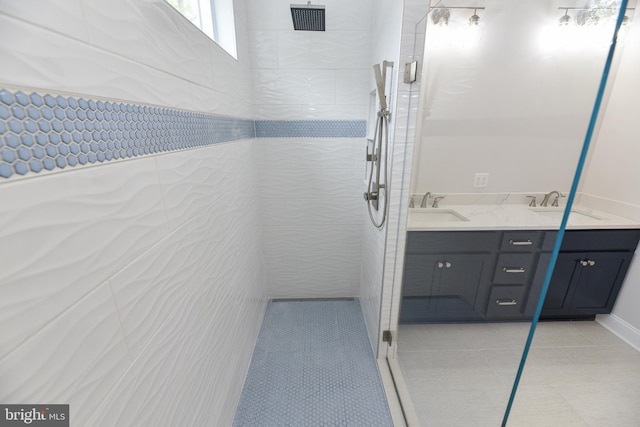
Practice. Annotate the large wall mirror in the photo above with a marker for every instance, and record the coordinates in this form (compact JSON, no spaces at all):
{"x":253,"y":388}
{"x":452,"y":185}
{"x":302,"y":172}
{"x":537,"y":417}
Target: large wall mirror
{"x":507,"y":91}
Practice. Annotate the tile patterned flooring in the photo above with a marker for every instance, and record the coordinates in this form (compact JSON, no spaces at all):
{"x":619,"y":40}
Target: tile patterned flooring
{"x":577,"y":374}
{"x":313,"y":366}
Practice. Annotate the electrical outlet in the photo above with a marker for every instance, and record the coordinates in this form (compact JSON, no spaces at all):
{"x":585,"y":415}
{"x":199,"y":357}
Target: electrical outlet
{"x":480,"y":180}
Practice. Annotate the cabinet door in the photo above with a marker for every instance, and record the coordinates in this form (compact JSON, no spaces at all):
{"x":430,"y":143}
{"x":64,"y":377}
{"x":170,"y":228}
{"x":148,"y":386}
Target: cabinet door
{"x":460,"y":281}
{"x":419,"y":285}
{"x":557,"y":298}
{"x":599,"y":281}
{"x":440,"y":288}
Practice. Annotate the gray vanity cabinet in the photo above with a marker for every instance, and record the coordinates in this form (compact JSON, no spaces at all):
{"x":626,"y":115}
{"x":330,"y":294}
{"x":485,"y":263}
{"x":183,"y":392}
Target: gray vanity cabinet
{"x":454,"y":276}
{"x":445,"y":276}
{"x":588,"y":274}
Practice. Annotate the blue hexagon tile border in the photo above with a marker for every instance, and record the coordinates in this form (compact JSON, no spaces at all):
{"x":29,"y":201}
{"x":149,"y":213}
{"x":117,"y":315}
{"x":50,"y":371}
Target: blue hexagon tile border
{"x":45,"y":132}
{"x":311,"y":128}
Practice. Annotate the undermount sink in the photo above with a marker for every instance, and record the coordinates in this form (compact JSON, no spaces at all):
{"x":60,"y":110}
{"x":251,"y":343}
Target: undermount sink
{"x":437,"y":215}
{"x":575,"y":214}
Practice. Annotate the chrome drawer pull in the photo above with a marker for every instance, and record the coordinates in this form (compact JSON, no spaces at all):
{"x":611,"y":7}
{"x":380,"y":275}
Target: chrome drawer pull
{"x":520,"y":242}
{"x":513,"y":270}
{"x":506,"y":302}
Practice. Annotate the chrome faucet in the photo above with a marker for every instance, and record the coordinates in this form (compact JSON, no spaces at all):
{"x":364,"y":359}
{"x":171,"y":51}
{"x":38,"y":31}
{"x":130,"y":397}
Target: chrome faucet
{"x":547,"y":197}
{"x":436,"y":199}
{"x":425,"y":198}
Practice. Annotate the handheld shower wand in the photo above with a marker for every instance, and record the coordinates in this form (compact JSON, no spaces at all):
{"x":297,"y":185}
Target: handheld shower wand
{"x":380,"y":150}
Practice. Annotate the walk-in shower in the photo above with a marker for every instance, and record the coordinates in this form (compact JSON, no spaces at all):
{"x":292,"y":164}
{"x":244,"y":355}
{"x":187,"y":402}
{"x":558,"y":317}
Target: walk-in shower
{"x":380,"y":150}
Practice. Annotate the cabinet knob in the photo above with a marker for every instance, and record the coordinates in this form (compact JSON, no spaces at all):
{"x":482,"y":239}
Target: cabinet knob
{"x":440,"y":264}
{"x":584,"y":263}
{"x":447,"y":264}
{"x":591,"y":263}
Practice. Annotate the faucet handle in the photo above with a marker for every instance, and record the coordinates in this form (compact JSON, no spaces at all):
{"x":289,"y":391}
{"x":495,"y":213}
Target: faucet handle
{"x":436,"y":199}
{"x":555,"y":201}
{"x":532,"y":203}
{"x":412,"y":203}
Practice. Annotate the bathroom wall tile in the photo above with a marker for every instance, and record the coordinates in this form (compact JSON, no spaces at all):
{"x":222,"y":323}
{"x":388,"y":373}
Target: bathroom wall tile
{"x":156,"y":287}
{"x":199,"y":326}
{"x":294,"y":86}
{"x":290,"y":184}
{"x":353,"y":87}
{"x":66,"y":17}
{"x":348,"y":16}
{"x":182,"y":49}
{"x":215,"y":102}
{"x":281,"y":239}
{"x":64,"y":234}
{"x":75,"y":359}
{"x":323,"y":50}
{"x":273,"y":211}
{"x":337,"y":111}
{"x":192,"y":180}
{"x":325,"y":211}
{"x":273,"y":15}
{"x":278,"y":112}
{"x":309,"y":153}
{"x":77,"y":67}
{"x":264,"y":49}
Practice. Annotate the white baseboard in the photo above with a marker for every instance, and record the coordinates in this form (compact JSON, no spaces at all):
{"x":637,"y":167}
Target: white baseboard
{"x":623,"y":330}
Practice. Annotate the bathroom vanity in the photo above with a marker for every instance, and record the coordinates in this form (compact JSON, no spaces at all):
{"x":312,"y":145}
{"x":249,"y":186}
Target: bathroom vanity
{"x":458,"y":271}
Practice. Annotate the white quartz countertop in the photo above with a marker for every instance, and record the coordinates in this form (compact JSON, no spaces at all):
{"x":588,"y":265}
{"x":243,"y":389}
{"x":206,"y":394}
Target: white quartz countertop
{"x":511,"y":217}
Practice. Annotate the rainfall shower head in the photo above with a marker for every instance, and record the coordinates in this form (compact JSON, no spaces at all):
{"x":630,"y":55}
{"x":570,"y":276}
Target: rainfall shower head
{"x":307,"y":17}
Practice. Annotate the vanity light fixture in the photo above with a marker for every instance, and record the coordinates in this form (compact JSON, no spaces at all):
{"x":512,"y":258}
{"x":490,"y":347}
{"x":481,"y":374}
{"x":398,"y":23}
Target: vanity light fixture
{"x":440,"y":14}
{"x":475,"y":19}
{"x":588,"y":16}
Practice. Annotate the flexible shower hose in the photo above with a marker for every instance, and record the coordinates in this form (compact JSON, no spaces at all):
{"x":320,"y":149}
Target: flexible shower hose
{"x":382,"y":127}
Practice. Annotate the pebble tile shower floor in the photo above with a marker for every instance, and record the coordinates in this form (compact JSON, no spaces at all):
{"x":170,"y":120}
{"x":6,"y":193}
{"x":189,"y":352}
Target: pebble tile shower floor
{"x":312,"y":366}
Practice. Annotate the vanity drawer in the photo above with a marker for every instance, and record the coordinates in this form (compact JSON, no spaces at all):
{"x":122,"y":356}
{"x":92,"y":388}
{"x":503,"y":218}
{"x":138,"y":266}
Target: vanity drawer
{"x":520,"y":241}
{"x":506,"y":302}
{"x":513,"y":268}
{"x":451,"y":241}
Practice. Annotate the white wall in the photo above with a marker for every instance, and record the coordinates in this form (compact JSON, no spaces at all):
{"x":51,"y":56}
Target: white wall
{"x":131,"y":290}
{"x":311,"y":188}
{"x":611,"y":180}
{"x":513,"y":106}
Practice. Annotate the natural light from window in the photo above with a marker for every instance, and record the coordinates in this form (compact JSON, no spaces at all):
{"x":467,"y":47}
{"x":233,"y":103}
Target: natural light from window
{"x":214,"y":17}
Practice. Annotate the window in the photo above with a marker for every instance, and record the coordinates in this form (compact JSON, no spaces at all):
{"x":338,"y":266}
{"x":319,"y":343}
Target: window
{"x":215,"y":19}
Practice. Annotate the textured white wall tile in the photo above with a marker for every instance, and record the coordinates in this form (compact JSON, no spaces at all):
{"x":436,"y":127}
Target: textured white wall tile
{"x":62,"y":16}
{"x":64,"y":234}
{"x":67,"y":65}
{"x":156,"y":287}
{"x":192,"y":180}
{"x":348,"y":16}
{"x":352,"y":86}
{"x":75,"y":359}
{"x":323,"y":50}
{"x":295,"y":86}
{"x":264,"y":49}
{"x":130,"y":28}
{"x":271,"y":15}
